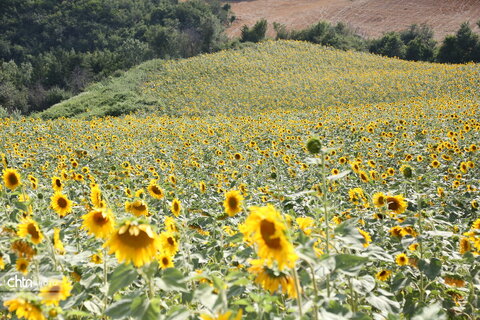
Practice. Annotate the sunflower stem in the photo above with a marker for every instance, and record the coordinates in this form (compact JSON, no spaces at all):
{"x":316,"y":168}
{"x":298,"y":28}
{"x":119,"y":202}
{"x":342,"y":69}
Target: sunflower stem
{"x":297,"y":288}
{"x":420,"y":241}
{"x":325,"y":213}
{"x":315,"y":289}
{"x":105,"y":280}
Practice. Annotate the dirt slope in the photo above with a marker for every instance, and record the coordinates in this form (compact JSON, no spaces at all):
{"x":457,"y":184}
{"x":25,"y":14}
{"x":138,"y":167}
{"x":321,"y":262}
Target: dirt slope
{"x":369,"y":18}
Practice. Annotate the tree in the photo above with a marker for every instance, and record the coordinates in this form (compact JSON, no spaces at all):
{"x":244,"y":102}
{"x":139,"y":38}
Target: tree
{"x":390,"y":45}
{"x":256,"y":33}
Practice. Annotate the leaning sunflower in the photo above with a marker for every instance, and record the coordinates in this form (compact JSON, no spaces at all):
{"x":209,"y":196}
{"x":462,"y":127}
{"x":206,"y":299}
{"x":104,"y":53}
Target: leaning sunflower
{"x":379,"y":199}
{"x":233,"y":202}
{"x":136,"y":243}
{"x":61,"y":204}
{"x":24,"y":309}
{"x":28,"y":227}
{"x":271,"y":281}
{"x":266,"y":228}
{"x":176,"y":207}
{"x":56,"y":291}
{"x":11,"y":178}
{"x":100,"y":222}
{"x":137,"y":208}
{"x":155,"y":191}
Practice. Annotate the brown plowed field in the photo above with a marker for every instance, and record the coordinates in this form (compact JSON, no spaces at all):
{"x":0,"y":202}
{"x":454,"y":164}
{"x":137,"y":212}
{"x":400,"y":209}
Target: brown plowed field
{"x":369,"y":18}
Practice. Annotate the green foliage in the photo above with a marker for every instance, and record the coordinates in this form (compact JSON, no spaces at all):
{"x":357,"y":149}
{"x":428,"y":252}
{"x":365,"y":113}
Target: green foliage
{"x":256,"y":33}
{"x":69,"y":44}
{"x":390,"y":45}
{"x":460,"y":48}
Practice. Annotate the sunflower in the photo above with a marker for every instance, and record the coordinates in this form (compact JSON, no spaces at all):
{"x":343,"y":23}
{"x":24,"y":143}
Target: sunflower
{"x":134,"y":243}
{"x":96,"y":197}
{"x":464,"y":246}
{"x":23,"y":249}
{"x":2,"y":263}
{"x":223,"y":316}
{"x":435,"y":164}
{"x":305,"y":224}
{"x":233,"y":202}
{"x":366,"y":236}
{"x":363,"y":176}
{"x":99,"y":223}
{"x":61,"y":204}
{"x":22,"y":265}
{"x":96,"y":258}
{"x":383,"y":275}
{"x":57,"y":184}
{"x":396,"y":204}
{"x":165,"y":261}
{"x":24,"y":309}
{"x":379,"y":199}
{"x":168,"y":243}
{"x":271,"y":281}
{"x":401,"y":259}
{"x":57,"y":242}
{"x":202,"y":186}
{"x":176,"y":207}
{"x":396,"y":231}
{"x":155,"y":191}
{"x":11,"y":178}
{"x":266,"y":228}
{"x":170,"y":224}
{"x":29,"y":227}
{"x":56,"y":291}
{"x":137,"y":208}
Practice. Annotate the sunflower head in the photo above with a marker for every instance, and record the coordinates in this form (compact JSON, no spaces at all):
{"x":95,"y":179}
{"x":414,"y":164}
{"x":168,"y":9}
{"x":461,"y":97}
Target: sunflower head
{"x":168,"y":243}
{"x":155,"y":191}
{"x":28,"y":228}
{"x":56,"y":291}
{"x":22,"y":265}
{"x":11,"y":178}
{"x":57,"y":184}
{"x":176,"y":207}
{"x":396,"y":204}
{"x":136,"y":243}
{"x":401,"y":259}
{"x":137,"y":208}
{"x":165,"y":261}
{"x":233,"y":202}
{"x":24,"y":309}
{"x":99,"y":223}
{"x":61,"y":204}
{"x":383,"y":275}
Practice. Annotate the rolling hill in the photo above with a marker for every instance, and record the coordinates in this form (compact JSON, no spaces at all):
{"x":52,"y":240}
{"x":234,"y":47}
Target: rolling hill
{"x":269,"y":75}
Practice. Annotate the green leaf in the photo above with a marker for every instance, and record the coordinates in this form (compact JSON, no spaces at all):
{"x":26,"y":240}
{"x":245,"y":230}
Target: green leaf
{"x":20,"y":205}
{"x":432,"y":269}
{"x":153,"y":310}
{"x":119,"y":309}
{"x":363,"y":285}
{"x":178,"y":313}
{"x":139,"y":307}
{"x":92,"y":307}
{"x":431,"y":312}
{"x":123,"y":276}
{"x":172,"y":280}
{"x":383,"y":303}
{"x":349,"y":264}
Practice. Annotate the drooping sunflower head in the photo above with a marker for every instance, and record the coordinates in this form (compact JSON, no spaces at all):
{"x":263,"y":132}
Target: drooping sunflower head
{"x":28,"y":228}
{"x":57,"y":241}
{"x":396,"y":204}
{"x":56,"y":291}
{"x":366,"y":237}
{"x":233,"y":202}
{"x":96,"y":197}
{"x":170,"y":225}
{"x":61,"y":204}
{"x":100,"y":223}
{"x":202,"y":186}
{"x":136,"y":243}
{"x":137,"y":208}
{"x":266,"y":228}
{"x":176,"y":207}
{"x":155,"y":191}
{"x":271,"y":280}
{"x":11,"y":178}
{"x":23,"y":249}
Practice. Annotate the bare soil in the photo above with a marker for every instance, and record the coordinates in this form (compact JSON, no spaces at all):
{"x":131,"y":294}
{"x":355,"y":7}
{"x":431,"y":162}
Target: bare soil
{"x":369,"y":18}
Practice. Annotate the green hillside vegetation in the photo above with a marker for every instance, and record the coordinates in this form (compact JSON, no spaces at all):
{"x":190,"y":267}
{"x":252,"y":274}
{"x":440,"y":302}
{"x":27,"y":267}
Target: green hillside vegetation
{"x":273,"y":75}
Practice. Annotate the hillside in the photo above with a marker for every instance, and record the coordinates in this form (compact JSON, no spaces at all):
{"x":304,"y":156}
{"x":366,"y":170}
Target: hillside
{"x":369,"y":18}
{"x":283,"y":74}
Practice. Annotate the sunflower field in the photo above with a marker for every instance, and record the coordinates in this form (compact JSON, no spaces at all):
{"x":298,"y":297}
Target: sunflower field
{"x":282,"y":181}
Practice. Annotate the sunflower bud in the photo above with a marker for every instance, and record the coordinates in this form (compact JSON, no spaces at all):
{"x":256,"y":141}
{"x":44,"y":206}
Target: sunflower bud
{"x":314,"y":145}
{"x":407,"y":171}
